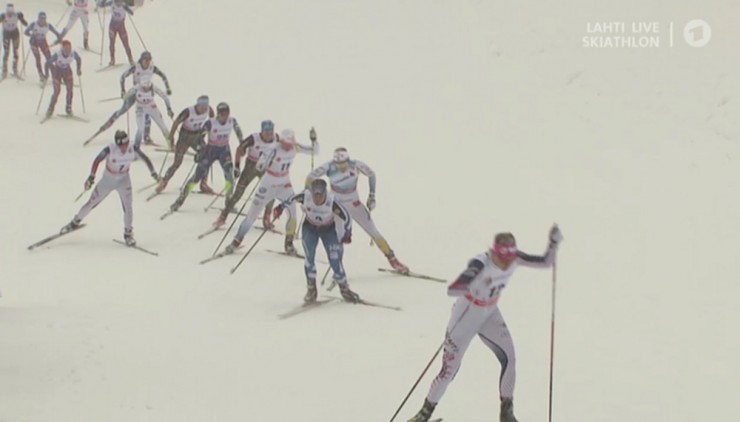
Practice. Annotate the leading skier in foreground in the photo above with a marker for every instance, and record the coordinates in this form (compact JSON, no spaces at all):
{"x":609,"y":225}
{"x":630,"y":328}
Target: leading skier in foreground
{"x":476,"y":313}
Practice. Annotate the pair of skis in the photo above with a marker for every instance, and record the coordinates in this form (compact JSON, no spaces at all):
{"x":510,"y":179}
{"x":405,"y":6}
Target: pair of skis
{"x":223,"y":254}
{"x":63,"y":233}
{"x":313,"y":305}
{"x":214,"y":228}
{"x":66,"y":116}
{"x":109,"y":67}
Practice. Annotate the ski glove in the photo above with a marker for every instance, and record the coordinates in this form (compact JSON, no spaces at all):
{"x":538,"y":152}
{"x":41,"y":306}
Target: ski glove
{"x":312,"y":135}
{"x":156,"y":177}
{"x":169,"y":91}
{"x":555,"y":235}
{"x":347,"y":238}
{"x":237,"y":172}
{"x":170,"y":113}
{"x":79,"y":72}
{"x":371,"y":202}
{"x":89,"y":182}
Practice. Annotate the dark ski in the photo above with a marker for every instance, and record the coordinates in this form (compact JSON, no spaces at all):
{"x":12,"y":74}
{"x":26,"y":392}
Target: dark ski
{"x":73,"y":117}
{"x":109,"y":67}
{"x":167,"y":214}
{"x":137,"y":247}
{"x":52,"y":237}
{"x":150,"y":197}
{"x":293,"y":255}
{"x":209,"y":231}
{"x":367,"y":303}
{"x":92,"y":137}
{"x":305,"y":307}
{"x":218,"y":256}
{"x":414,"y":275}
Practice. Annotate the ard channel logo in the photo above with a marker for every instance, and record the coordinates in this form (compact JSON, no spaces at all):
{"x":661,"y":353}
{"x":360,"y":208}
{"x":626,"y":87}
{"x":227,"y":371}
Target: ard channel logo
{"x":646,"y":34}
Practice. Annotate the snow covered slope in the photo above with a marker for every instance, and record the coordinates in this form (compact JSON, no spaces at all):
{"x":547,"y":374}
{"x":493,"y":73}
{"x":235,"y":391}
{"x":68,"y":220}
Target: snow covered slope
{"x":478,"y":117}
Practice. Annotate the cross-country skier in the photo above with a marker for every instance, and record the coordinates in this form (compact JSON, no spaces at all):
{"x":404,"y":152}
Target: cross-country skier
{"x":142,"y":95}
{"x":11,"y":34}
{"x":118,"y":157}
{"x":117,"y":27}
{"x":190,"y":121}
{"x":275,"y":184}
{"x":328,"y":221}
{"x":253,"y":146}
{"x":79,"y":11}
{"x":343,"y":174}
{"x":60,"y":66}
{"x":144,"y":70}
{"x":218,"y":130}
{"x":476,"y":312}
{"x":146,"y":107}
{"x":37,"y":33}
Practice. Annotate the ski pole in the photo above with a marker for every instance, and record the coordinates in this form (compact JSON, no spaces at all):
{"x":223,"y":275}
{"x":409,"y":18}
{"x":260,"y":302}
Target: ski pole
{"x":249,"y":251}
{"x":147,"y":187}
{"x":426,"y":368}
{"x":131,"y":18}
{"x":215,"y":197}
{"x":235,"y":218}
{"x":41,"y":97}
{"x":323,"y":279}
{"x":102,"y":35}
{"x":187,"y":176}
{"x":82,"y":96}
{"x":25,"y":59}
{"x":23,"y":53}
{"x":552,"y":339}
{"x":80,"y":195}
{"x":63,"y":15}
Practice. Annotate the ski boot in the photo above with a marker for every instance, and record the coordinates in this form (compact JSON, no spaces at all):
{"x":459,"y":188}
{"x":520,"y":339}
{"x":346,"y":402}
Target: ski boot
{"x":148,"y":140}
{"x":178,"y":202}
{"x":49,"y":112}
{"x":221,"y":220}
{"x":85,"y":43}
{"x":311,"y":292}
{"x":204,"y":188}
{"x":72,"y":225}
{"x":161,"y":186}
{"x":266,"y":222}
{"x":507,"y":410}
{"x":231,"y":247}
{"x":396,"y":264}
{"x":128,"y":236}
{"x":347,"y":294}
{"x":425,"y":413}
{"x":68,"y":110}
{"x":289,"y":248}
